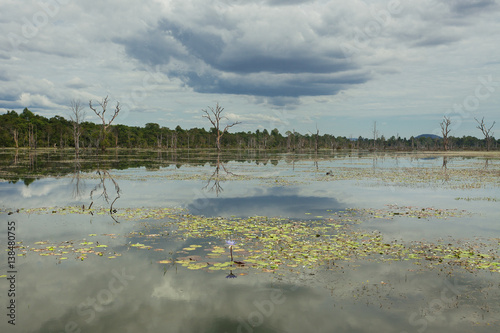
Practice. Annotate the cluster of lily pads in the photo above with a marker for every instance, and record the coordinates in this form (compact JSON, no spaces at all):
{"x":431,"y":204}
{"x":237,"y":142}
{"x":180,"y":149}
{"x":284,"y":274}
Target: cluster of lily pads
{"x":413,"y":212}
{"x":460,"y":178}
{"x":272,"y":244}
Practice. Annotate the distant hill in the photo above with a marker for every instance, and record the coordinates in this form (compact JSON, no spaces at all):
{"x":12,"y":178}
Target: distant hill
{"x":432,"y":136}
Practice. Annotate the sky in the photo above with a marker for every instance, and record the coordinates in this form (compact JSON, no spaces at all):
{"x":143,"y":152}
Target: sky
{"x":340,"y":67}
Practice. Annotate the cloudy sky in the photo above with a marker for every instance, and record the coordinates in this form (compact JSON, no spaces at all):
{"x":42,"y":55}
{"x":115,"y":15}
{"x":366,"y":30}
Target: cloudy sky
{"x":338,"y":66}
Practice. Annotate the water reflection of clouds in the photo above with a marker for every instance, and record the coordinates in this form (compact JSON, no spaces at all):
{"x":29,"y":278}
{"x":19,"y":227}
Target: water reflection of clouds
{"x":40,"y":193}
{"x":276,"y":201}
{"x":37,"y":190}
{"x":130,"y":294}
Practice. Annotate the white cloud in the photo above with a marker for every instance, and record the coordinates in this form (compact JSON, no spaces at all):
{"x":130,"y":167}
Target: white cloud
{"x":77,"y":83}
{"x":35,"y":100}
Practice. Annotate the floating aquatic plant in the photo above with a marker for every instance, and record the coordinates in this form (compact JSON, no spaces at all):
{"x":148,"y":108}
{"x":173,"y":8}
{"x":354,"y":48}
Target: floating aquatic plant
{"x":275,"y":243}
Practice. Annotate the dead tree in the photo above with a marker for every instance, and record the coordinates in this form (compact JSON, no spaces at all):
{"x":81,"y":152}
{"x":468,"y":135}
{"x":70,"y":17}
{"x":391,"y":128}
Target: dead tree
{"x":486,"y":132}
{"x":316,"y":141}
{"x":31,"y":136}
{"x":105,"y":124}
{"x":288,"y":140}
{"x":375,"y":134}
{"x":15,"y":134}
{"x":77,"y":116}
{"x":215,"y":117}
{"x":445,"y":131}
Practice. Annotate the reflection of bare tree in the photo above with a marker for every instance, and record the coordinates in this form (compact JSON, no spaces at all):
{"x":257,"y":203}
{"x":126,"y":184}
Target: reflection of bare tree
{"x":16,"y":157}
{"x":445,"y":168}
{"x":102,"y":189}
{"x":32,"y":160}
{"x":77,"y":191}
{"x":375,"y":158}
{"x":213,"y":183}
{"x":445,"y":162}
{"x":486,"y":163}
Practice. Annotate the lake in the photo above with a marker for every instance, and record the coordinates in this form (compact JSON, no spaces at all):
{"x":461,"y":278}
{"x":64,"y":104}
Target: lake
{"x":249,"y":241}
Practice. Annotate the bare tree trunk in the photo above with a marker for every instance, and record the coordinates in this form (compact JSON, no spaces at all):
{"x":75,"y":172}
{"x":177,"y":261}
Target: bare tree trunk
{"x":445,"y":131}
{"x":105,"y":124}
{"x":215,"y":119}
{"x":174,"y":140}
{"x":77,"y":116}
{"x":16,"y":137}
{"x":31,"y":137}
{"x":486,"y":132}
{"x":317,"y":136}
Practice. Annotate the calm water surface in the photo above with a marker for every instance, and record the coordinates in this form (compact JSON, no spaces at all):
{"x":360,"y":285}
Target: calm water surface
{"x":132,"y":292}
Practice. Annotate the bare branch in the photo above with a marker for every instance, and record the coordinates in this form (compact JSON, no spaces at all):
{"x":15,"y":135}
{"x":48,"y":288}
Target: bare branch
{"x":103,"y":105}
{"x":445,"y":131}
{"x":100,"y":114}
{"x":215,"y":117}
{"x":489,"y":129}
{"x":117,"y":110}
{"x":209,"y":118}
{"x":77,"y":116}
{"x":486,"y":131}
{"x":231,"y":125}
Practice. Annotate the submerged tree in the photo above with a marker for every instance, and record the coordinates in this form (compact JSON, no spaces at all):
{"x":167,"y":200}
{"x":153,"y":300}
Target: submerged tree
{"x":445,"y":131}
{"x":77,"y":116}
{"x":486,"y":132}
{"x":105,"y":124}
{"x":215,"y":117}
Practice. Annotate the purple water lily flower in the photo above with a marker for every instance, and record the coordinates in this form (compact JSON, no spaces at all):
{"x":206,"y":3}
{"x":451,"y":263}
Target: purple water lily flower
{"x":230,"y":243}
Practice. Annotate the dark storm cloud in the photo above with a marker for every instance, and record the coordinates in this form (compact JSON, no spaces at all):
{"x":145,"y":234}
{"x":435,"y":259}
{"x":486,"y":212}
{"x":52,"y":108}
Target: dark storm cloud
{"x":435,"y":40}
{"x":468,"y":7}
{"x":200,"y":44}
{"x":209,"y":64}
{"x":268,"y":85}
{"x":299,"y":63}
{"x":9,"y":97}
{"x":441,"y":22}
{"x":152,"y":48}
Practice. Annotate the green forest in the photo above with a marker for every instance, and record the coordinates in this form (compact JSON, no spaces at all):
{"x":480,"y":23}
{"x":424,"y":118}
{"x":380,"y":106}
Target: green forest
{"x":28,"y":130}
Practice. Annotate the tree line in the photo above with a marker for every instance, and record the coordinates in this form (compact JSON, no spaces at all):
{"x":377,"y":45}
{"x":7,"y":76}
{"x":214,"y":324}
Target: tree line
{"x":28,"y":130}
